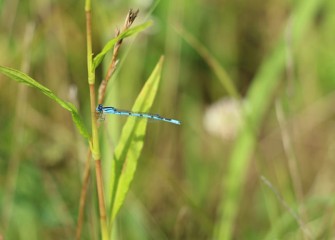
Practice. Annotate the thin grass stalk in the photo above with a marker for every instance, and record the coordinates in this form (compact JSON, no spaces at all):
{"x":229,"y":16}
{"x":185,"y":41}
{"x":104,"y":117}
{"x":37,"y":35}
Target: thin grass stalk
{"x":226,"y":82}
{"x":102,"y":89}
{"x":83,"y":194}
{"x":95,"y":149}
{"x":293,"y":169}
{"x":297,"y":218}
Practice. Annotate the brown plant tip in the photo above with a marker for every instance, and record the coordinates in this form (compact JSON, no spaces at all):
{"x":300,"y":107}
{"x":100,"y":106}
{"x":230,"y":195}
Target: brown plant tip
{"x":131,"y":17}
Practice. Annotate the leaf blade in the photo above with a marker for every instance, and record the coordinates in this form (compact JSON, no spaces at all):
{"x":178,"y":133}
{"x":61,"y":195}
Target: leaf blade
{"x":131,"y":142}
{"x":24,"y":78}
{"x":110,"y":44}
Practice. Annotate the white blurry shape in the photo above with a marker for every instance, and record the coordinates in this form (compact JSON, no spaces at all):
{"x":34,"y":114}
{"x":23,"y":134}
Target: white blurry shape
{"x":73,"y":94}
{"x":224,"y":118}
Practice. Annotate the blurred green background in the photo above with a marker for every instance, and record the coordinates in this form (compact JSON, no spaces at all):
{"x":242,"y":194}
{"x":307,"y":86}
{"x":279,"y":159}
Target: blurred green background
{"x":284,"y":188}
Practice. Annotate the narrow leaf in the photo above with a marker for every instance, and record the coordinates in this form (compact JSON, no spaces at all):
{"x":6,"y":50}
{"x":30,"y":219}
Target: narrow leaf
{"x":129,"y":148}
{"x":109,"y":45}
{"x":24,"y":78}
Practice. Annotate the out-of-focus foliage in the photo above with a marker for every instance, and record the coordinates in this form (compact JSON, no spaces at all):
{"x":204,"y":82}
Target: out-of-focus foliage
{"x":179,"y":184}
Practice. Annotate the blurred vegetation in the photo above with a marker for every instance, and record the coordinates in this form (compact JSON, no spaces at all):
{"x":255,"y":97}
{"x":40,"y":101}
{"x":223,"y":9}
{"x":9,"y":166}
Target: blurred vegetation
{"x":282,"y":188}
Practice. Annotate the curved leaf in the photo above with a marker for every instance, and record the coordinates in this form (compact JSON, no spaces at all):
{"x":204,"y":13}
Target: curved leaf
{"x":109,"y":45}
{"x":24,"y":78}
{"x":129,"y":148}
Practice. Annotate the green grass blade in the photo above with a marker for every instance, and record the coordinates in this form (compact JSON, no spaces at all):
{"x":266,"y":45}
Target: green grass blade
{"x":259,"y":99}
{"x":24,"y":78}
{"x":226,"y":82}
{"x":129,"y":148}
{"x":109,"y":45}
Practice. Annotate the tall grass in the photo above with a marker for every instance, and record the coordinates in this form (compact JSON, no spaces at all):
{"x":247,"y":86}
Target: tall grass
{"x":210,"y":178}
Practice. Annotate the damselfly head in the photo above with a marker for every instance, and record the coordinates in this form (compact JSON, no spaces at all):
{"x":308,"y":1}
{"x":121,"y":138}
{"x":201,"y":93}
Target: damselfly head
{"x":99,"y":108}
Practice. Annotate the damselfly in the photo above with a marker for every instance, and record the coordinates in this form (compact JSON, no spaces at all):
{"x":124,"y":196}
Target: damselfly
{"x":111,"y":110}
